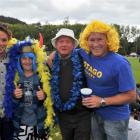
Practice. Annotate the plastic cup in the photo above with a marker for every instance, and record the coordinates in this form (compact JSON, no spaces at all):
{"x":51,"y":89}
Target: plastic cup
{"x":86,"y":92}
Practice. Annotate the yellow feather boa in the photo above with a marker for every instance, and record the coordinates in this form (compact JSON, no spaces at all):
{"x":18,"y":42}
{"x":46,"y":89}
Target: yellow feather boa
{"x":11,"y":42}
{"x":45,"y":78}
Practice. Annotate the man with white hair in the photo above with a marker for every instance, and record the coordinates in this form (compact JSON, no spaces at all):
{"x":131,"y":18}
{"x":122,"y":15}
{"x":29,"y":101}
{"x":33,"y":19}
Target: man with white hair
{"x":67,"y":80}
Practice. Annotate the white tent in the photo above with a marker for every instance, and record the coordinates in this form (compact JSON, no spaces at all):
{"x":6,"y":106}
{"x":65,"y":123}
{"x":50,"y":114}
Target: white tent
{"x":133,"y":54}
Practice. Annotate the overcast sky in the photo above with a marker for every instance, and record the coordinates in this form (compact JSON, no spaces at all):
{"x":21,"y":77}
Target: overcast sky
{"x":78,"y":11}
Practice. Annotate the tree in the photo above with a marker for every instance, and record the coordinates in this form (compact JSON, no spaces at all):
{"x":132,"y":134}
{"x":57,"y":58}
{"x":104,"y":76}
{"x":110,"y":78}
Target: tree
{"x":66,"y":21}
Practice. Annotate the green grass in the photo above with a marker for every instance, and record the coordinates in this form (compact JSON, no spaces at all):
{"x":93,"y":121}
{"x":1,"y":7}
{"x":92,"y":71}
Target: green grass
{"x":55,"y":134}
{"x":135,"y":64}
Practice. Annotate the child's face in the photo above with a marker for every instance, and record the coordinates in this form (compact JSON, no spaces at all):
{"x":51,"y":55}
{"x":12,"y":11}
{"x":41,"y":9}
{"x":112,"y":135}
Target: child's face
{"x":26,"y":64}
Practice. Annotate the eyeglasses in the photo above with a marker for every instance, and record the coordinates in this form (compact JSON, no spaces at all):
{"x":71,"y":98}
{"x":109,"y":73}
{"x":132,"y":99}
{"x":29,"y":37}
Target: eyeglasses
{"x":3,"y":39}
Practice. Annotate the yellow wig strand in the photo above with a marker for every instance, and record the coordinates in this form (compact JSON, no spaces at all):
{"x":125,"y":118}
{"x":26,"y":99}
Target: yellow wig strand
{"x":100,"y":27}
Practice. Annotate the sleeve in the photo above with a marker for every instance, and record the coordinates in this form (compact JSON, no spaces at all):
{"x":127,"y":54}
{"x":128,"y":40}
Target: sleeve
{"x":125,"y":77}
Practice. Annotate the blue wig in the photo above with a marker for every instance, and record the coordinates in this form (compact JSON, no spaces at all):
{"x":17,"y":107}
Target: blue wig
{"x":29,"y":55}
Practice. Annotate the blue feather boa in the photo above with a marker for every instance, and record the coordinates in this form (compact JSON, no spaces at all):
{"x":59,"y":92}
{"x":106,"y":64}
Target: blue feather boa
{"x":13,"y":55}
{"x":77,"y":73}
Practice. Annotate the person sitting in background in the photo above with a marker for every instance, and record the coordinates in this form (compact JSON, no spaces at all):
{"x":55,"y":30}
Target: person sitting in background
{"x":134,"y":124}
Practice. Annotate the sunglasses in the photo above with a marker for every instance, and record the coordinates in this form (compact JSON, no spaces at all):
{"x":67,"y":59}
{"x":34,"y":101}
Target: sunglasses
{"x":3,"y":39}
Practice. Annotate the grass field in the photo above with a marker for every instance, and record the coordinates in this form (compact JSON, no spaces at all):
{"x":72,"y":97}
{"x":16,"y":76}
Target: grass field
{"x":55,"y":134}
{"x":135,"y":64}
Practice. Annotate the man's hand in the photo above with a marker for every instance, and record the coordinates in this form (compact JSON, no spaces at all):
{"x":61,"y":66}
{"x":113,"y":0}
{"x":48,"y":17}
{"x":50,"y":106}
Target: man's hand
{"x":40,"y":94}
{"x":92,"y":101}
{"x":18,"y":92}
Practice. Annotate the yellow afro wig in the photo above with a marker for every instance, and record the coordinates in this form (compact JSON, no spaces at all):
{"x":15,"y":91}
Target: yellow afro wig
{"x":100,"y":27}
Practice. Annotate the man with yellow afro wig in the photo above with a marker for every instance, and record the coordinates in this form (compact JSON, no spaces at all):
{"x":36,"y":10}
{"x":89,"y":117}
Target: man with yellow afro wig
{"x":109,"y":76}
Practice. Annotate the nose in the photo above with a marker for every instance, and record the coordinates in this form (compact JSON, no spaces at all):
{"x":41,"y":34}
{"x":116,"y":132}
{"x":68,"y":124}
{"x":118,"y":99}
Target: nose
{"x":95,"y":43}
{"x":27,"y":60}
{"x":63,"y":44}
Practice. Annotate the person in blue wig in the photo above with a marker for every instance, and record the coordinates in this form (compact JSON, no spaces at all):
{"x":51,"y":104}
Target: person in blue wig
{"x":29,"y":113}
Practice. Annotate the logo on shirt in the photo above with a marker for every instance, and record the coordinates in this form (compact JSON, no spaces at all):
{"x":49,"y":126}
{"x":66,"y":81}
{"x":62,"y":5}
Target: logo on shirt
{"x":28,"y":95}
{"x":91,"y":71}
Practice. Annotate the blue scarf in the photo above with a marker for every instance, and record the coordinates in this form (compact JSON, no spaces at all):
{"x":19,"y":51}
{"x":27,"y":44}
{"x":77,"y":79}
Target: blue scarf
{"x":78,"y":76}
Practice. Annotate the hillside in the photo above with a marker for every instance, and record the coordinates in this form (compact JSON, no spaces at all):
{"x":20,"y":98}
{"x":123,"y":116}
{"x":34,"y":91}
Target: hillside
{"x":10,"y":20}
